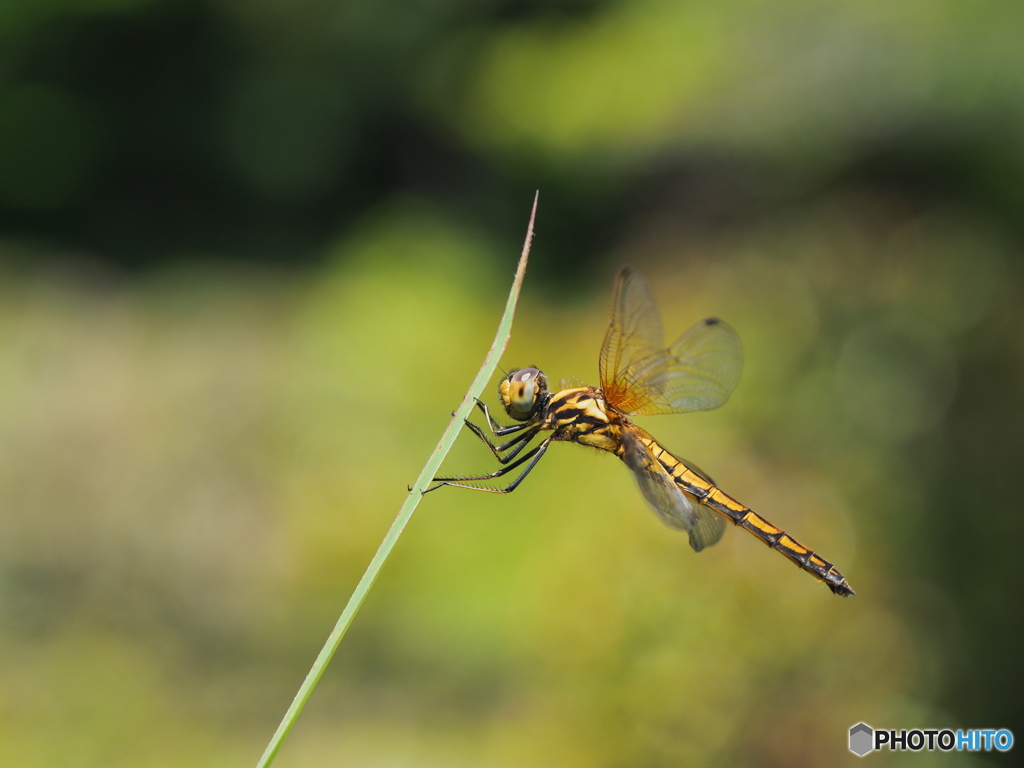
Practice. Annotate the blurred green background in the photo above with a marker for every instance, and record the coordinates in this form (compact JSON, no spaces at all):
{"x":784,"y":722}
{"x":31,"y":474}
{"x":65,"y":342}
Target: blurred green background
{"x":253,"y":251}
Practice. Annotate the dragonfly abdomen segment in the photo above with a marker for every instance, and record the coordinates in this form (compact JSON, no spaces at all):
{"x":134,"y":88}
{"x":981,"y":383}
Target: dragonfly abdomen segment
{"x":778,"y":539}
{"x":744,"y":517}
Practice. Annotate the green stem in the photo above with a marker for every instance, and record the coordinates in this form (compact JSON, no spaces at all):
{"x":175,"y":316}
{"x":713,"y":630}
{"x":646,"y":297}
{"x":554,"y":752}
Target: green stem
{"x":415,"y":494}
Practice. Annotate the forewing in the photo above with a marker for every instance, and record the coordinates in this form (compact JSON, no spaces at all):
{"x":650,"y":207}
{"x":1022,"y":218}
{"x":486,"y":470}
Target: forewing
{"x":698,"y":373}
{"x":675,"y":508}
{"x":633,"y":337}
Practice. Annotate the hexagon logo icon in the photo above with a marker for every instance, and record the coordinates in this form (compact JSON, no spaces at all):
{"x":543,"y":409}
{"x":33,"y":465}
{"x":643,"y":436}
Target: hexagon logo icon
{"x":861,"y":739}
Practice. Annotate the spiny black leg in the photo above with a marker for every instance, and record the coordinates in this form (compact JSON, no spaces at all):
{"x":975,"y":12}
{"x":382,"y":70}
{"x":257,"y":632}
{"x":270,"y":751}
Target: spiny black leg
{"x":496,"y":428}
{"x":532,"y":456}
{"x":498,"y":450}
{"x":529,"y":468}
{"x":497,"y":472}
{"x":515,"y":452}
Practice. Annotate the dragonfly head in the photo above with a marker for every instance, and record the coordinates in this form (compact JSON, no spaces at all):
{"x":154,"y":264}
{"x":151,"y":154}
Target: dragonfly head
{"x":520,"y":392}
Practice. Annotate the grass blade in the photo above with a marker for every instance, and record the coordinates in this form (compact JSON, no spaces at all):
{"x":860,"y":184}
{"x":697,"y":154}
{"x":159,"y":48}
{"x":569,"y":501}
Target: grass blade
{"x":428,"y":472}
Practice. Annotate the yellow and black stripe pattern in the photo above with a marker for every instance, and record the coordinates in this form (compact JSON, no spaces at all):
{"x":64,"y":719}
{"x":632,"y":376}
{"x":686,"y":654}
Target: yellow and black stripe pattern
{"x":776,"y":538}
{"x":580,"y":415}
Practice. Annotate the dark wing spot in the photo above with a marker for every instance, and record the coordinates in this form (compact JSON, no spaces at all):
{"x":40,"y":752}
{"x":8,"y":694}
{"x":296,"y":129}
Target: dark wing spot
{"x":712,"y":321}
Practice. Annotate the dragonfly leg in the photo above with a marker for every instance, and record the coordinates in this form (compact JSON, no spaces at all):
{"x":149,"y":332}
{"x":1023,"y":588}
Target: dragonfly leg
{"x":532,"y":456}
{"x":496,"y":428}
{"x":521,"y":439}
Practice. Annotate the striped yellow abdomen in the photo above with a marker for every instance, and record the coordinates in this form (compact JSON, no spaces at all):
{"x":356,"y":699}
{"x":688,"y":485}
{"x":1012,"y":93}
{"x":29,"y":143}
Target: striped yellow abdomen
{"x":776,"y":538}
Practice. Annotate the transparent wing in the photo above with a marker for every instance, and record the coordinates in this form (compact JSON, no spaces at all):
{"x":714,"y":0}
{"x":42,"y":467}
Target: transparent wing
{"x":700,"y":370}
{"x":675,"y":508}
{"x":697,"y":372}
{"x":634,"y":335}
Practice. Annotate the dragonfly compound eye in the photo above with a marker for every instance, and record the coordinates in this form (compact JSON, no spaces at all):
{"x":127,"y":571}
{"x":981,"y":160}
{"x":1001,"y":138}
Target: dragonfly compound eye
{"x":520,"y":390}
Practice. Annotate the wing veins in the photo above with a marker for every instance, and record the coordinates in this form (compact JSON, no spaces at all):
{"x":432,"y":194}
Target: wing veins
{"x":697,"y":372}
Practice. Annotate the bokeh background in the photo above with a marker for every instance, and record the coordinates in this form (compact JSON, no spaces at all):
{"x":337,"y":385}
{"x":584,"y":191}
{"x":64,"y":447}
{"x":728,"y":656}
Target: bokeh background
{"x":253,"y":251}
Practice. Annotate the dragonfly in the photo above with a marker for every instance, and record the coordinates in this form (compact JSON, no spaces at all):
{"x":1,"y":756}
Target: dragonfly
{"x":640,"y":377}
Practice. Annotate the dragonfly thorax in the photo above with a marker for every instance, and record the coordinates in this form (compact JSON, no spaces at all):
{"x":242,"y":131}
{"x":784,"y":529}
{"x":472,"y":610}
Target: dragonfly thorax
{"x":521,"y":392}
